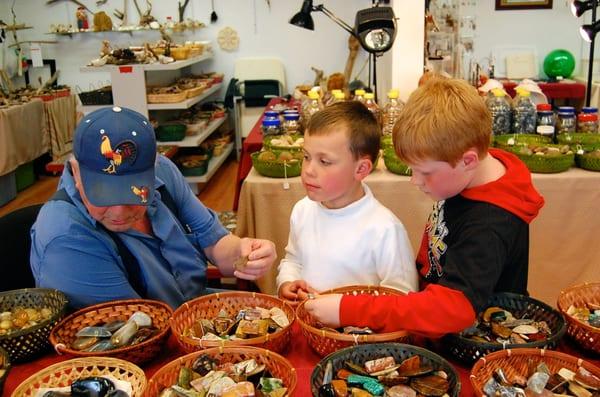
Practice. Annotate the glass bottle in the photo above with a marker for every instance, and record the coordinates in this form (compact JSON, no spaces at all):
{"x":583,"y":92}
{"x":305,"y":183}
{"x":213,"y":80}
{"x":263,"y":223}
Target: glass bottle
{"x":373,"y":107}
{"x":500,"y":111}
{"x":271,"y":126}
{"x":566,"y":123}
{"x":524,"y":113}
{"x":391,"y":111}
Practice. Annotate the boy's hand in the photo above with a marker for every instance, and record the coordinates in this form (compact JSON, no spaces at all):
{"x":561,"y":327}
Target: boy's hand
{"x":325,"y":309}
{"x":295,"y":290}
{"x":260,"y":256}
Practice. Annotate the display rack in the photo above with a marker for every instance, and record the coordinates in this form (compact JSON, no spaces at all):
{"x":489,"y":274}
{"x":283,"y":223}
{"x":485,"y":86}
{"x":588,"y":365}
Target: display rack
{"x":129,"y":85}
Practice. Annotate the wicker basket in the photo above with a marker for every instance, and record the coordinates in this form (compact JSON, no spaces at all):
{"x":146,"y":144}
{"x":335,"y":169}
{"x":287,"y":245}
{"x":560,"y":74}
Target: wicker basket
{"x":394,"y":164}
{"x":588,"y":161}
{"x":267,"y":143}
{"x":192,"y":92}
{"x":325,"y":342}
{"x":167,"y":98}
{"x":579,"y":295}
{"x":276,"y":169}
{"x":64,"y":373}
{"x":26,"y":344}
{"x":517,"y":361}
{"x":501,"y":141}
{"x":63,"y":334}
{"x":586,"y":140}
{"x":277,"y":365}
{"x":208,"y":306}
{"x":546,"y":164}
{"x":400,"y":352}
{"x":5,"y":366}
{"x":468,"y":351}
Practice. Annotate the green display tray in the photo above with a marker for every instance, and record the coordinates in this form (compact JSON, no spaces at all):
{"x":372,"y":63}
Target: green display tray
{"x":394,"y":164}
{"x":501,"y":141}
{"x":546,"y":164}
{"x":588,"y":162}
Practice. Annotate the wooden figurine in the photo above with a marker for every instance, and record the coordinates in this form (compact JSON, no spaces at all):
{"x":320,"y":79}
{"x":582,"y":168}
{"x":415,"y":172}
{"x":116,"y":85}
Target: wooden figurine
{"x":82,"y":19}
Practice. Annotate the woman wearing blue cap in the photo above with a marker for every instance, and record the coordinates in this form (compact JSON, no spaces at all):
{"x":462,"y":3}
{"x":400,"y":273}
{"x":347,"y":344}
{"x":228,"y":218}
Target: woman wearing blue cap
{"x":124,"y":223}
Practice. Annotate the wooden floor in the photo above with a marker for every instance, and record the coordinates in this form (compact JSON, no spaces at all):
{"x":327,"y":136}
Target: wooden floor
{"x":217,"y":194}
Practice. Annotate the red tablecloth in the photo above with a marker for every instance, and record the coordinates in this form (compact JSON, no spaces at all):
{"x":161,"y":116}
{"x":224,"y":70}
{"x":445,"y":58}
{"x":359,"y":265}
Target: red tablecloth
{"x":299,"y":353}
{"x":552,"y":90}
{"x":253,"y":143}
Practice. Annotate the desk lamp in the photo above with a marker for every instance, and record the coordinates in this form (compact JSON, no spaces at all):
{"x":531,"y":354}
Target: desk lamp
{"x":588,"y":33}
{"x":375,"y":28}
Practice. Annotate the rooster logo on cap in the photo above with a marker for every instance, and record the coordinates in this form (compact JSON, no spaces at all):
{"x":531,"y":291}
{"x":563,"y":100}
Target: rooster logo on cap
{"x":141,"y":192}
{"x":124,"y":151}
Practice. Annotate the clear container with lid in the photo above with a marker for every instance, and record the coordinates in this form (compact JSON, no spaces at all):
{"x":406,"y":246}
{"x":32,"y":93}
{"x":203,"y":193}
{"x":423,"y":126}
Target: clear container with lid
{"x":291,"y":123}
{"x":566,"y":122}
{"x":587,"y":121}
{"x":373,"y":107}
{"x":391,"y":111}
{"x":313,"y":106}
{"x":524,"y":113}
{"x":271,"y":126}
{"x":500,"y":111}
{"x":359,"y":95}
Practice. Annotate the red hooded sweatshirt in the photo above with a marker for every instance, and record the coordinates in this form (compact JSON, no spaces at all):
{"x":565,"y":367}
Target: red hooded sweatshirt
{"x":475,"y":244}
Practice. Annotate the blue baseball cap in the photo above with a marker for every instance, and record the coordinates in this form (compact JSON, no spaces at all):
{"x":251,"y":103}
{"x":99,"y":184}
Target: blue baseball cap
{"x":116,"y":151}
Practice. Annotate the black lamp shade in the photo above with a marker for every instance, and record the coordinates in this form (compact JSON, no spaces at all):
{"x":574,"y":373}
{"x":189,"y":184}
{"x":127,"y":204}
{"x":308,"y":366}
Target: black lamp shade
{"x":589,"y":31}
{"x":578,"y":7}
{"x":375,"y":28}
{"x":303,"y":19}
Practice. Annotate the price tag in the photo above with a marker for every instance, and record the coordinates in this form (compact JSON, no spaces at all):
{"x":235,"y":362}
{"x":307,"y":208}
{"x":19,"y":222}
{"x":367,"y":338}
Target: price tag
{"x":37,"y":60}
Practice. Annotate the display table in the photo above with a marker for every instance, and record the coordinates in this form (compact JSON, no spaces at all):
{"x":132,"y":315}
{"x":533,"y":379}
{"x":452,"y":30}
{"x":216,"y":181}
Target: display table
{"x":572,"y":90}
{"x":253,"y":143}
{"x":299,"y":353}
{"x":23,"y":135}
{"x":562,"y":238}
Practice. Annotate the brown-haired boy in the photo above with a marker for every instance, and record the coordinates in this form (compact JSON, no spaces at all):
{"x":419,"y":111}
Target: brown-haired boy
{"x":476,"y":241}
{"x":340,"y":234}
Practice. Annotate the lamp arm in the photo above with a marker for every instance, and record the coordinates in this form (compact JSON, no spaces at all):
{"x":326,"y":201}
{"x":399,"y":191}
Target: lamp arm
{"x":334,"y":18}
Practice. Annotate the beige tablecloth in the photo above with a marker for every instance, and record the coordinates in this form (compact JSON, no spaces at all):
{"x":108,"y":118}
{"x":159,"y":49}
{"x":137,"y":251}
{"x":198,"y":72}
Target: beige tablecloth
{"x":563,"y":239}
{"x":22,"y":135}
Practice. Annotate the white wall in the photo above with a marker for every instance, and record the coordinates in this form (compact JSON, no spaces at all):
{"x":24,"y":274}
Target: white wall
{"x":263,"y":32}
{"x":544,"y":30}
{"x":266,"y":32}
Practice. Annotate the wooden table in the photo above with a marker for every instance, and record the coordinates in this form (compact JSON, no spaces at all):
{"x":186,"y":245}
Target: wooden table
{"x":563,"y":238}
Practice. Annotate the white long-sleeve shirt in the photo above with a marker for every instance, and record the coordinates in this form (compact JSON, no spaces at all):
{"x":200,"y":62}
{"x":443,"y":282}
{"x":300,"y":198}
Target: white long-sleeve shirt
{"x":363,"y":243}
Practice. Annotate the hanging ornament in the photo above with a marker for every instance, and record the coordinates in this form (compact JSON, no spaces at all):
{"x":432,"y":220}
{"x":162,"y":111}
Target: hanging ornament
{"x":228,"y":39}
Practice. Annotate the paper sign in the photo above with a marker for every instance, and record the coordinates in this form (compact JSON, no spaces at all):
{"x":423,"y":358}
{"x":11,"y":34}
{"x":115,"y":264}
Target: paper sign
{"x":36,"y":55}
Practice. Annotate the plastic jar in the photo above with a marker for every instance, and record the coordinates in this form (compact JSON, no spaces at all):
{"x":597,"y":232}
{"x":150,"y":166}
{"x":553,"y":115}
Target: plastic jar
{"x":566,"y":122}
{"x":291,"y":123}
{"x":545,"y":123}
{"x":271,"y":126}
{"x":587,"y":121}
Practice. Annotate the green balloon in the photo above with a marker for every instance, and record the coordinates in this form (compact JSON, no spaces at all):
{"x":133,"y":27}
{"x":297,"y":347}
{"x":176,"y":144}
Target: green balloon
{"x":559,"y":63}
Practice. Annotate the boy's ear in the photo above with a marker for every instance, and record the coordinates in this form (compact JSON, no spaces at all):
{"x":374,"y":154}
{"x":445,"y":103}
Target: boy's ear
{"x":363,"y":168}
{"x":470,"y":159}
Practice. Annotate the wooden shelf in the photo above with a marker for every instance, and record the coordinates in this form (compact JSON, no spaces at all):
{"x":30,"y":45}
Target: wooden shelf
{"x":213,"y":166}
{"x":151,"y":66}
{"x":195,"y":140}
{"x":188,"y":103}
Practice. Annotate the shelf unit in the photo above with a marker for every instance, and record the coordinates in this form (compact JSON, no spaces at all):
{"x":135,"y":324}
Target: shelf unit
{"x":195,"y":140}
{"x":129,"y":90}
{"x":213,"y":165}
